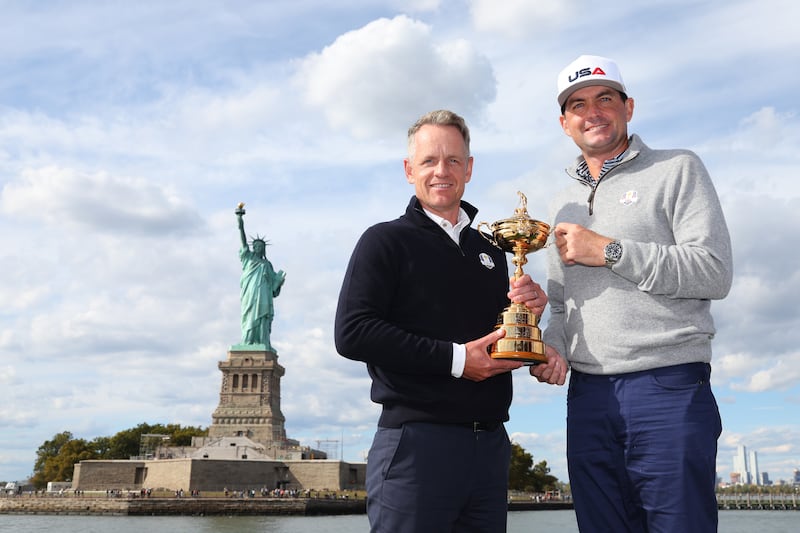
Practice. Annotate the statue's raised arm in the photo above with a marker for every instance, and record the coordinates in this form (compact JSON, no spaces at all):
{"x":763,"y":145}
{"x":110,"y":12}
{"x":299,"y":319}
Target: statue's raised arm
{"x":259,"y":284}
{"x":240,"y":217}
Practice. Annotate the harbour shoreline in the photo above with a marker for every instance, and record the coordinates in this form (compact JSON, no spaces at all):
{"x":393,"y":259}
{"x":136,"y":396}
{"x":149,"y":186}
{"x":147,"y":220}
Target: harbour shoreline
{"x":181,"y":506}
{"x":210,"y":506}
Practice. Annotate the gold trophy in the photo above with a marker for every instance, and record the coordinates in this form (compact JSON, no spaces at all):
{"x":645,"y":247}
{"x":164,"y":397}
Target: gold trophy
{"x":520,"y":235}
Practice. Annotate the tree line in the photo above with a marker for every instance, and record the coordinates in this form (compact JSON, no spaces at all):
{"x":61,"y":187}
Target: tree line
{"x":525,"y":476}
{"x":56,"y":458}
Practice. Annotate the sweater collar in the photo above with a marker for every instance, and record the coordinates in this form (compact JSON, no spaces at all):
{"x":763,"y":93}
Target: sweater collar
{"x":415,"y":210}
{"x":635,"y":146}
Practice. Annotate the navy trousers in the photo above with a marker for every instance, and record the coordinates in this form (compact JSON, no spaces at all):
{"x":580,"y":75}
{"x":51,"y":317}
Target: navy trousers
{"x":433,"y":478}
{"x":641,"y":450}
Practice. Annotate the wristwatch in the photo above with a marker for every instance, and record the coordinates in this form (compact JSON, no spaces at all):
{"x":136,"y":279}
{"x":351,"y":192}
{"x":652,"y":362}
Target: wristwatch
{"x":612,"y":252}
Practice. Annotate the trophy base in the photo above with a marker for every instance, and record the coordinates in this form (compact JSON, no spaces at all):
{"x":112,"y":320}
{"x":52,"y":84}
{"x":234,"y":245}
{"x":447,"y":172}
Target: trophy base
{"x":523,"y":340}
{"x":526,"y":358}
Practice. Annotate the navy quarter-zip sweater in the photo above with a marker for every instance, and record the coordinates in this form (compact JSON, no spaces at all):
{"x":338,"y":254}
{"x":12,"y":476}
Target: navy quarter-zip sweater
{"x":409,"y":293}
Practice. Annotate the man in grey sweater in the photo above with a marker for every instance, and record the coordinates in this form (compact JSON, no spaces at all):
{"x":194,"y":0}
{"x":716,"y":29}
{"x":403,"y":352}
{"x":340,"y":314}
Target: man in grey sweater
{"x":641,"y":249}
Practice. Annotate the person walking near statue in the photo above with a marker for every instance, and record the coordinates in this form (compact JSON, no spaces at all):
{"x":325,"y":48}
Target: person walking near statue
{"x":259,"y":285}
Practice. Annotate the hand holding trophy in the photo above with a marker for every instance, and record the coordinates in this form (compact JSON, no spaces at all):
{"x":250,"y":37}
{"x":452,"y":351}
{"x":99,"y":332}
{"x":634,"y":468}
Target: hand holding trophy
{"x":519,"y":235}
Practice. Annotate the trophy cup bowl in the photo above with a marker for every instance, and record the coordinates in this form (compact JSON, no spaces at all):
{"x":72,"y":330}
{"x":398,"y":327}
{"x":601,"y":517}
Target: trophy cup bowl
{"x":519,"y":235}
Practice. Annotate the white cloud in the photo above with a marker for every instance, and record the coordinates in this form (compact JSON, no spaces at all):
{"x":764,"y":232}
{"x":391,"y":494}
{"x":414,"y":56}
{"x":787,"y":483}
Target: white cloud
{"x":15,"y":416}
{"x":7,"y":374}
{"x":371,"y":80}
{"x":104,"y":203}
{"x":766,"y":139}
{"x":416,"y":6}
{"x":767,"y":24}
{"x":779,"y":375}
{"x":517,"y":18}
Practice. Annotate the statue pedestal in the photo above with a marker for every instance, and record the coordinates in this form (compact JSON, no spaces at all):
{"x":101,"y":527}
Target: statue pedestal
{"x":250,"y":396}
{"x":252,"y":348}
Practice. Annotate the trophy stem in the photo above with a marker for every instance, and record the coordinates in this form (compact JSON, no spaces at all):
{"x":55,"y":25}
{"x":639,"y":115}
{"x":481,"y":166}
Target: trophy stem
{"x":519,"y":259}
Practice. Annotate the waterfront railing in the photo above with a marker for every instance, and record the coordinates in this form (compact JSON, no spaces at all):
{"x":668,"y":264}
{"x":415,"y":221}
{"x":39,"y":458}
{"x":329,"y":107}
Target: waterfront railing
{"x":758,"y":501}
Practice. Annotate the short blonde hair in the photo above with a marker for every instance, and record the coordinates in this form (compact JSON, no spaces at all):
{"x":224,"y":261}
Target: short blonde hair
{"x":440,"y":117}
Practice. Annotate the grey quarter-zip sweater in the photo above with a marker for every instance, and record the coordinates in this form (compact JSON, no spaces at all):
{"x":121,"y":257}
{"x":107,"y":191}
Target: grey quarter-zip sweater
{"x":652,"y":308}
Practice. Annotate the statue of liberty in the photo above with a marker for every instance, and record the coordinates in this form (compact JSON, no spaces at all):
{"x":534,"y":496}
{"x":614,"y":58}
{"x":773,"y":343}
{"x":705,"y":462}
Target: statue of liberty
{"x":259,"y":285}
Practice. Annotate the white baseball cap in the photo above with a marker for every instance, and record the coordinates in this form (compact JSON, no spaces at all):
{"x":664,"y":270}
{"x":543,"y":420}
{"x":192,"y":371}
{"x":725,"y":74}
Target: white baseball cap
{"x":585,"y":71}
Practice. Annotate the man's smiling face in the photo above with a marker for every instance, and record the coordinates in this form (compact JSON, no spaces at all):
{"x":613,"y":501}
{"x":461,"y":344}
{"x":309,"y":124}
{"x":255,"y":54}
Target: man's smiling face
{"x":596,"y":117}
{"x":439,"y":167}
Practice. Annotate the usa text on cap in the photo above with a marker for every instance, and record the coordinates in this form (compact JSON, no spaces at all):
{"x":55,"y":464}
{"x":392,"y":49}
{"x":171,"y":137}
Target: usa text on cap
{"x":585,"y":71}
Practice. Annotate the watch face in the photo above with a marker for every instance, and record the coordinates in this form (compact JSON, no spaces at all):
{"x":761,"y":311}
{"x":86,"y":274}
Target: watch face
{"x":613,"y":251}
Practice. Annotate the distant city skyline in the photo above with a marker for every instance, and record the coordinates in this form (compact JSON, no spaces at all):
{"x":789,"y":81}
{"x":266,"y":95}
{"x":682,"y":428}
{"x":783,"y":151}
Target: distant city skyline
{"x":746,"y":470}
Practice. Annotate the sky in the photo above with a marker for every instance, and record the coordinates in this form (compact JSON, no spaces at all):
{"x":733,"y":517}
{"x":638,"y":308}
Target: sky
{"x":129,"y":131}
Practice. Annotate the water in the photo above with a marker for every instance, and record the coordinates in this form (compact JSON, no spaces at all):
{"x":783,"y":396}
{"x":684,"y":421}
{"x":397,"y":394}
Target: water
{"x":518,"y":522}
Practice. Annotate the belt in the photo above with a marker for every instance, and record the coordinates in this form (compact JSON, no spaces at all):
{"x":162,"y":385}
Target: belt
{"x":480,"y":426}
{"x":474,"y":426}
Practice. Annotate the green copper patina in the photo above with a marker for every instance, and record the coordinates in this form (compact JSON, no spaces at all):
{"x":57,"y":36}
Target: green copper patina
{"x":259,"y":285}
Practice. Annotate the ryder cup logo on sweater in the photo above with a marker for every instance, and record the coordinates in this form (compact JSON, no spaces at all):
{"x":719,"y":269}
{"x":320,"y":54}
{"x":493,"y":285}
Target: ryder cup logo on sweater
{"x":486,"y":260}
{"x":630,"y":197}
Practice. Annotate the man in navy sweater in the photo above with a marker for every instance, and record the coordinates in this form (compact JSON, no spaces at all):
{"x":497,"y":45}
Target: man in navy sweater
{"x":418,"y":305}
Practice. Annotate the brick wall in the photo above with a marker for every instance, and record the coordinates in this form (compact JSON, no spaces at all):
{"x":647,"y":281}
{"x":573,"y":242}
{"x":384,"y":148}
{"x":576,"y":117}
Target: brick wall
{"x":217,"y":474}
{"x":104,"y":475}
